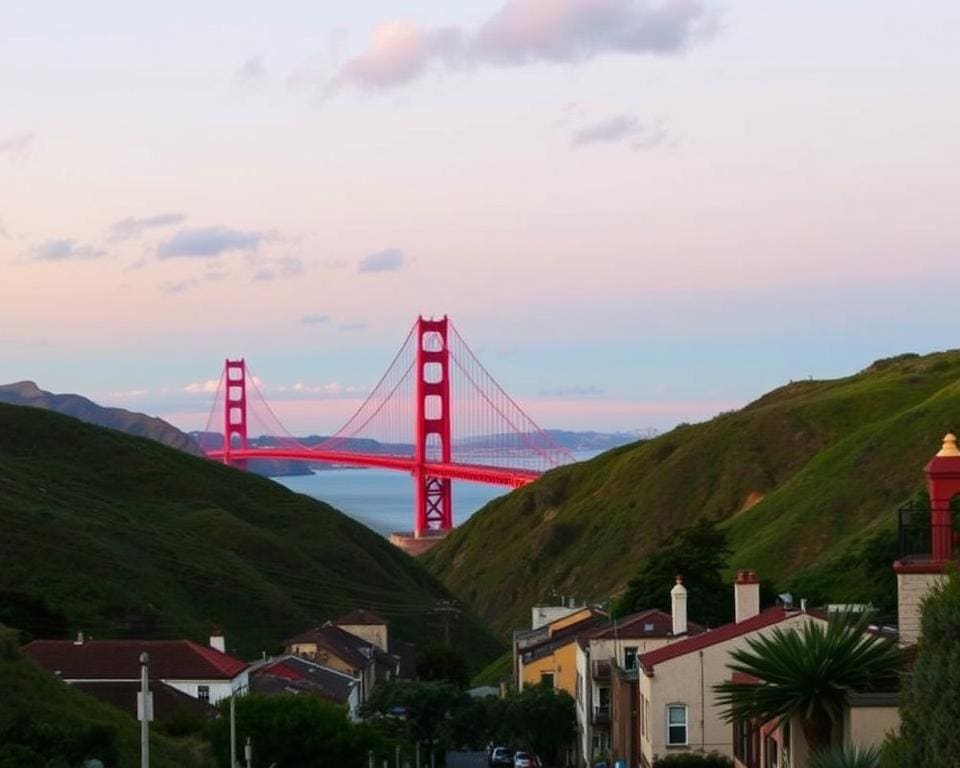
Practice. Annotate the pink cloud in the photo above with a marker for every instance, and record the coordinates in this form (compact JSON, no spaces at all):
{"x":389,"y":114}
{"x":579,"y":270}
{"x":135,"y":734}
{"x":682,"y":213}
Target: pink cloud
{"x":528,"y":31}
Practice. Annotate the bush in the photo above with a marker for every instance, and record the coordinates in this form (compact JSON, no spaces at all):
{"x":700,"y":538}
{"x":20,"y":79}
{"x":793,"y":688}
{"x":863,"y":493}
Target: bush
{"x":694,"y":760}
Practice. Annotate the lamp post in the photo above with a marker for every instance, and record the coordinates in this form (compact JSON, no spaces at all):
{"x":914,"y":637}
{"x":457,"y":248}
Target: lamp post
{"x":146,"y":711}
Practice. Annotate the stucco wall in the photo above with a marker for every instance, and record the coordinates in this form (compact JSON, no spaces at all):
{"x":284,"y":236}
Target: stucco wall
{"x":869,"y":726}
{"x":689,"y":680}
{"x":912,"y":588}
{"x":562,"y":663}
{"x":372,"y":633}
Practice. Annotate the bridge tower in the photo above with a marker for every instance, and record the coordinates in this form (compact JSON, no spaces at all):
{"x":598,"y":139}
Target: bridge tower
{"x":434,"y":505}
{"x":235,"y":410}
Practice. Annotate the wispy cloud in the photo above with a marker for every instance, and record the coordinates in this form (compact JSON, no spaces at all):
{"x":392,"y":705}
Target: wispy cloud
{"x":526,"y":32}
{"x":3,"y":231}
{"x":267,"y":269}
{"x":250,"y":72}
{"x":352,"y":327}
{"x":207,"y":242}
{"x":129,"y":228}
{"x":202,"y":387}
{"x":64,"y":250}
{"x":16,"y":144}
{"x":389,"y":260}
{"x":315,"y":319}
{"x":619,"y":129}
{"x":576,"y":390}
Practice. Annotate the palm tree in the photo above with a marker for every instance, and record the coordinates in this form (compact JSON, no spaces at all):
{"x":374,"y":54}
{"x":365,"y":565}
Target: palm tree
{"x":846,"y":757}
{"x":808,"y":672}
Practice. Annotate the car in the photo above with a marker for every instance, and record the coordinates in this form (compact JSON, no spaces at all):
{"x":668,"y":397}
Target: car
{"x":524,"y":760}
{"x":501,"y":756}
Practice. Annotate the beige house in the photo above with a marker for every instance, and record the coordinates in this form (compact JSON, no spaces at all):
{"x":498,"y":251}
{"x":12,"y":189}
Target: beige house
{"x":368,"y":626}
{"x":676,"y":705}
{"x":606,"y":677}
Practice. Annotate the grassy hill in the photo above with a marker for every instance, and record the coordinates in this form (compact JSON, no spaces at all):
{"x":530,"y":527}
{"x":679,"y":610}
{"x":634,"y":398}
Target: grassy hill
{"x":44,"y":722}
{"x":131,"y":422}
{"x":806,"y":480}
{"x":122,"y":536}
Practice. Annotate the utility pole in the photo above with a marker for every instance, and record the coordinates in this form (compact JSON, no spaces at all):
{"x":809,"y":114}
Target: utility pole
{"x":233,"y":729}
{"x":446,"y":608}
{"x":145,"y":710}
{"x":397,"y":761}
{"x":418,"y":754}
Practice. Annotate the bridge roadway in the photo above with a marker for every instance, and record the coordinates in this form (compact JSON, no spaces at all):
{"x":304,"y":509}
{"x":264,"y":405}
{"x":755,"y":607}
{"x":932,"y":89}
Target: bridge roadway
{"x":475,"y":473}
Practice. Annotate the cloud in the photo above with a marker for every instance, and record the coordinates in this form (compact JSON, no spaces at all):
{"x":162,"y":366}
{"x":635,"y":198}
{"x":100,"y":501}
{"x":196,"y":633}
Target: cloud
{"x":352,"y":327}
{"x":178,"y":286}
{"x":251,"y":71}
{"x":206,"y":242}
{"x":3,"y":231}
{"x":527,"y":32}
{"x":621,"y":128}
{"x":267,"y":269}
{"x":64,"y":250}
{"x":389,"y":260}
{"x":16,"y":144}
{"x":209,"y":386}
{"x":399,"y":52}
{"x":315,"y":319}
{"x":23,"y":341}
{"x":577,"y":390}
{"x":129,"y":228}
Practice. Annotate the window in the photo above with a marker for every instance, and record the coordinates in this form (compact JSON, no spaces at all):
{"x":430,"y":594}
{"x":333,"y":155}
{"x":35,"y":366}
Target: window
{"x":676,"y":724}
{"x":546,"y":679}
{"x":630,"y":657}
{"x":203,"y":693}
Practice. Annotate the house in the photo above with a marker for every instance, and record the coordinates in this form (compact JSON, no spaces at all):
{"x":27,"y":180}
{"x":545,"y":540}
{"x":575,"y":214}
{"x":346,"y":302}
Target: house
{"x":295,"y":675}
{"x":334,"y":647}
{"x":605,"y":691}
{"x":677,"y":711}
{"x":547,"y":654}
{"x":201,"y":672}
{"x":927,"y":546}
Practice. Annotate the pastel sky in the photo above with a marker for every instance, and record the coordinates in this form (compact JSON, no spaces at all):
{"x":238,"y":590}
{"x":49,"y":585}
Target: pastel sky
{"x":637,"y":212}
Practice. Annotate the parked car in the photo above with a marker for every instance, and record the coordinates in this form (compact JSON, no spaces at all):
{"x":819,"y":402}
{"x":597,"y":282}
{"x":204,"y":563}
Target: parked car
{"x":501,"y":756}
{"x":524,"y":760}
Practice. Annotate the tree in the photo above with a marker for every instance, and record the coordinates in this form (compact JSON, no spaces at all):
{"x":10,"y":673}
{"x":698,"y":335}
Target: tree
{"x":699,"y":553}
{"x":293,"y":731}
{"x":441,"y":662}
{"x":420,"y":711}
{"x":931,"y":701}
{"x":542,"y":719}
{"x":809,"y":673}
{"x":846,"y":757}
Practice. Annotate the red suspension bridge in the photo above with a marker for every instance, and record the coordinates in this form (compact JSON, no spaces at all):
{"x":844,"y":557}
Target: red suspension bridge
{"x":436,"y":414}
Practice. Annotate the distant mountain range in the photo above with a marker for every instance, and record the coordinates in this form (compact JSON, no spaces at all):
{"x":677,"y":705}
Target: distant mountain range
{"x":139,"y":424}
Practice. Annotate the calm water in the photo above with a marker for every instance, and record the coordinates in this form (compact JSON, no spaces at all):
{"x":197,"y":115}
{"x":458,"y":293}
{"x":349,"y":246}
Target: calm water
{"x":383,"y":500}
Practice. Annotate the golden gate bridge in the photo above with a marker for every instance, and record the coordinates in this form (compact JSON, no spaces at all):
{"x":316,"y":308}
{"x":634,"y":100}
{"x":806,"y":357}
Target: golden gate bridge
{"x":436,"y":414}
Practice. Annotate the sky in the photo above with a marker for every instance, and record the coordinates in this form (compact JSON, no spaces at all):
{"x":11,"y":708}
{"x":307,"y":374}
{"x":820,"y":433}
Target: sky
{"x":637,"y":212}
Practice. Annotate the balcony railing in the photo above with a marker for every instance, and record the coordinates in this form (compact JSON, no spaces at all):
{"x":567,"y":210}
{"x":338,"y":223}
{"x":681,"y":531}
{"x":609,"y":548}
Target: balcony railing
{"x":601,"y":714}
{"x":601,"y":670}
{"x":916,"y":533}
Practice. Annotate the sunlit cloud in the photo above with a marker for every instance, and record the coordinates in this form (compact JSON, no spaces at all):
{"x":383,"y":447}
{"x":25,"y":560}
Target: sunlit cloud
{"x":526,"y":32}
{"x":16,"y":144}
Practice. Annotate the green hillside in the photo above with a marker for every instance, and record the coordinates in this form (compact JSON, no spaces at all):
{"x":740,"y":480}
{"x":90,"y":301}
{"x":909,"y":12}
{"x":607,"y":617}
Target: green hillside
{"x":44,"y":722}
{"x":806,"y":480}
{"x":122,"y":536}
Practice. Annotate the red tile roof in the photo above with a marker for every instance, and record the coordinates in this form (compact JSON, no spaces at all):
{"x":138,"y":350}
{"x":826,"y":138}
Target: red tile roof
{"x":721,"y":634}
{"x":650,"y":623}
{"x":120,"y":659}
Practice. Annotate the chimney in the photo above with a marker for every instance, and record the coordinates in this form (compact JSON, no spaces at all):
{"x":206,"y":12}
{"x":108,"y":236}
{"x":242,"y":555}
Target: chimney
{"x":678,"y":607}
{"x":217,"y":640}
{"x":746,"y":596}
{"x":79,"y":640}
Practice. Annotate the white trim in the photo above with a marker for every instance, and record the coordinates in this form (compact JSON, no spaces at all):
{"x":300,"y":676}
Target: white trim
{"x":686,"y":725}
